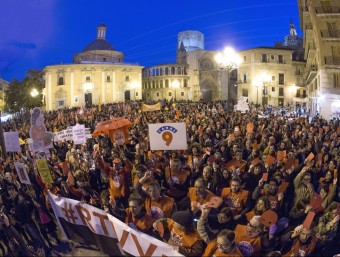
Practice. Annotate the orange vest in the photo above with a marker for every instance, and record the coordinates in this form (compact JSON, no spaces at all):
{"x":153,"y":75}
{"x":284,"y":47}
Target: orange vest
{"x":297,"y":248}
{"x":241,"y":235}
{"x":160,"y":209}
{"x":236,"y":201}
{"x":178,"y":177}
{"x":198,"y":200}
{"x":179,"y":238}
{"x":250,"y":215}
{"x":143,"y":224}
{"x":212,"y":250}
{"x":118,"y":184}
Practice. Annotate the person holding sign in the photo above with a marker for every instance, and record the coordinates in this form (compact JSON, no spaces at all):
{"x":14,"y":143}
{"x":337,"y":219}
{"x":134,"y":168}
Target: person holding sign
{"x":299,"y":242}
{"x":303,"y":188}
{"x":157,"y":205}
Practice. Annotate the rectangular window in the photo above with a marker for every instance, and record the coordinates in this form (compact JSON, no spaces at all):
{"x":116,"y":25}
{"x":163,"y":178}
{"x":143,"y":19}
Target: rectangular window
{"x":61,"y":103}
{"x":336,"y":80}
{"x":272,"y":57}
{"x":60,"y":81}
{"x":127,"y":78}
{"x":280,"y":58}
{"x":273,"y":89}
{"x":182,"y":93}
{"x":264,"y":57}
{"x":108,"y":79}
{"x":281,"y":91}
{"x":244,"y":78}
{"x":245,"y":92}
{"x":281,"y":79}
{"x":170,"y":94}
{"x":273,"y":78}
{"x":157,"y":94}
{"x":88,"y":79}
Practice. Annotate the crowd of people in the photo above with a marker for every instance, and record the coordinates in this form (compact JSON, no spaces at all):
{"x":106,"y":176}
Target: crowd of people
{"x":246,"y":185}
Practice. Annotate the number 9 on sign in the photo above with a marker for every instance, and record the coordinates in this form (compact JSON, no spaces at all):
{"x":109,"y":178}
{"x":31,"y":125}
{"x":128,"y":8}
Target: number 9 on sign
{"x":167,"y":137}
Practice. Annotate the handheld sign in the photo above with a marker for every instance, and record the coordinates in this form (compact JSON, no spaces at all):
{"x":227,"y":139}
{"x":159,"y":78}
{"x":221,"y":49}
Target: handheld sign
{"x":215,"y":202}
{"x":270,"y":160}
{"x":309,"y":219}
{"x":310,"y":157}
{"x":265,"y":176}
{"x":160,"y":229}
{"x":268,"y":218}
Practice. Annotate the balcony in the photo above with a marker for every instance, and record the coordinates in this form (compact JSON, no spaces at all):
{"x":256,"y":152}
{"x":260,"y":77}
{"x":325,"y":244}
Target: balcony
{"x":332,"y":60}
{"x":330,"y":35}
{"x":310,"y":53}
{"x":327,"y":12}
{"x":311,"y":74}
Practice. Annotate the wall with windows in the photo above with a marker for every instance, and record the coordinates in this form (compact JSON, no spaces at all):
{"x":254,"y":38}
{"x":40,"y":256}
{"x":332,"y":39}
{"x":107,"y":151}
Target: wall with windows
{"x":86,"y":84}
{"x":270,"y":76}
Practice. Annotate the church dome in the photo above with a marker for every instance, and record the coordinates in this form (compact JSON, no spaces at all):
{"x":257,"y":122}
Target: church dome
{"x":99,"y":44}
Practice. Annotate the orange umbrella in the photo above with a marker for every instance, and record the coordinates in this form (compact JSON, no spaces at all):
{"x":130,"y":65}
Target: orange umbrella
{"x":117,"y":128}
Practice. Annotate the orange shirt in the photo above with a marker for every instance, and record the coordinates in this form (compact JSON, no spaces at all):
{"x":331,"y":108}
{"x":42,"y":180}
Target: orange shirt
{"x":241,"y":235}
{"x":177,"y":177}
{"x":160,"y":209}
{"x":179,"y":238}
{"x":194,"y":198}
{"x":144,"y":224}
{"x":212,"y":250}
{"x":236,"y":201}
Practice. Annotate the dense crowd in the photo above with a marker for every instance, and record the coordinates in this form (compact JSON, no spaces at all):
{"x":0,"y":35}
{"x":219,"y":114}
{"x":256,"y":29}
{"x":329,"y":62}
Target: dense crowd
{"x":247,"y":185}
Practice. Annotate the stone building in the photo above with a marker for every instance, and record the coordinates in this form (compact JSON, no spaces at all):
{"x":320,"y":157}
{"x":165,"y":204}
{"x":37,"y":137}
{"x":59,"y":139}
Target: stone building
{"x":98,"y":74}
{"x":320,"y":23}
{"x":273,"y":75}
{"x":195,"y":75}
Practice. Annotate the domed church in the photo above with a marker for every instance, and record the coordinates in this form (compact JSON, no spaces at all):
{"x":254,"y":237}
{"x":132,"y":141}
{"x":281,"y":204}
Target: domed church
{"x":98,"y":74}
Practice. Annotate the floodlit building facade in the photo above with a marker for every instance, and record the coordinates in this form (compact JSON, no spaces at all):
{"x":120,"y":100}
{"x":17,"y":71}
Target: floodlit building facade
{"x":98,"y":74}
{"x":274,"y":75}
{"x":320,"y":23}
{"x":195,"y":75}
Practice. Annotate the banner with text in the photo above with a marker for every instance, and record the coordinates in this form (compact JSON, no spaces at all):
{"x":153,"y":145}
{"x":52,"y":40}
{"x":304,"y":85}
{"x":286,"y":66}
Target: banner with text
{"x":12,"y":141}
{"x":149,"y":108}
{"x":67,"y":134}
{"x":168,"y":136}
{"x":86,"y":224}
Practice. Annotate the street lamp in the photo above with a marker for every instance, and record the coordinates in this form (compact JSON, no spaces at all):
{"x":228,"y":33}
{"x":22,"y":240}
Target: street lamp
{"x":34,"y":92}
{"x":228,"y":60}
{"x":175,"y":85}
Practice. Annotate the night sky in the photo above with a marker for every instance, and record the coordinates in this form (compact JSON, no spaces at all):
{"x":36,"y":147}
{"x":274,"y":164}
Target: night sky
{"x":37,"y":33}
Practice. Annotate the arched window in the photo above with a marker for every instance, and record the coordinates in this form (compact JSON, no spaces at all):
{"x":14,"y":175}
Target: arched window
{"x":161,"y":83}
{"x":166,"y":83}
{"x":161,"y":71}
{"x":166,"y":71}
{"x":179,"y":70}
{"x":173,"y":70}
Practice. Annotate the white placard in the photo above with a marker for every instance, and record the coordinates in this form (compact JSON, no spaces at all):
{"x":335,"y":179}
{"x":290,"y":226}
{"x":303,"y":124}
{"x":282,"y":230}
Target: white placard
{"x":168,"y":136}
{"x":12,"y":141}
{"x":22,"y":173}
{"x":79,"y":136}
{"x":242,"y":104}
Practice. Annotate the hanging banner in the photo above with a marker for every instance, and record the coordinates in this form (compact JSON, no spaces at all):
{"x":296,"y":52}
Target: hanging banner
{"x":78,"y":133}
{"x":22,"y":173}
{"x":168,"y":136}
{"x":12,"y":141}
{"x":89,"y":225}
{"x":149,"y":108}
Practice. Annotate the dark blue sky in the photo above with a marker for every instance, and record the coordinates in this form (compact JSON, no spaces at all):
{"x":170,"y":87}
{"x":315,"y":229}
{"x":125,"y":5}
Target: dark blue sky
{"x":36,"y":33}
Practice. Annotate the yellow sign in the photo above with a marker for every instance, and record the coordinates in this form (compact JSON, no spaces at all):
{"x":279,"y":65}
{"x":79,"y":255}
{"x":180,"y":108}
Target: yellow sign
{"x":44,"y":171}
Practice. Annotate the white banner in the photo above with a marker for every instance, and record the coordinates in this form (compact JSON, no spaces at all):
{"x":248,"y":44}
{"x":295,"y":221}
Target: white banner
{"x":12,"y":141}
{"x":79,"y":219}
{"x":79,"y":136}
{"x":67,"y":134}
{"x":168,"y":136}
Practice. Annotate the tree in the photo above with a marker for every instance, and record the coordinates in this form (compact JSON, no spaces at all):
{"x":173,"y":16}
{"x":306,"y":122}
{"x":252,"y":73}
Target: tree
{"x":18,"y":96}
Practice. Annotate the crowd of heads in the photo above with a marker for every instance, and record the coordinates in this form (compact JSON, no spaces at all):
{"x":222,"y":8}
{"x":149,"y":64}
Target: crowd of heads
{"x":227,"y":156}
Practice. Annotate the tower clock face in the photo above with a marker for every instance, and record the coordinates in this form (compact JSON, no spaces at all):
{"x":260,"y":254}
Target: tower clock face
{"x":207,"y":64}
